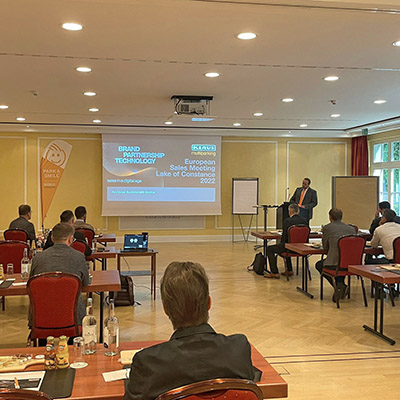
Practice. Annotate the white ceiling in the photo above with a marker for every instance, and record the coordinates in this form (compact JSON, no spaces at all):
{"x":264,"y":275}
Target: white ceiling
{"x":144,"y":51}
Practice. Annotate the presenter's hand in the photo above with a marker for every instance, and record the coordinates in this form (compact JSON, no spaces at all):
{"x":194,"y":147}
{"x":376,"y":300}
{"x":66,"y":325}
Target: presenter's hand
{"x":376,"y":214}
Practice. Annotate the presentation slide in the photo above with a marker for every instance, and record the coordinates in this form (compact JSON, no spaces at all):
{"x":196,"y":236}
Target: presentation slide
{"x":161,"y":175}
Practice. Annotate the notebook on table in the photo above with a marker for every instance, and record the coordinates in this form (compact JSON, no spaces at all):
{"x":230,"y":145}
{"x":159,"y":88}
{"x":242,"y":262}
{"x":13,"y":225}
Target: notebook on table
{"x":135,"y":242}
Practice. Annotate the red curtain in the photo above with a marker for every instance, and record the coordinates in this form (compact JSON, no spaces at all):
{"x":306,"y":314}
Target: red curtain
{"x":359,"y":156}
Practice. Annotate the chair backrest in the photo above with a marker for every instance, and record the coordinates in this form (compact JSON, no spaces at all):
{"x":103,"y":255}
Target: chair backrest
{"x":22,"y":394}
{"x":396,"y":250}
{"x":89,"y":234}
{"x":54,"y":304}
{"x":298,"y":233}
{"x":12,"y":251}
{"x":355,"y":227}
{"x":16,"y":234}
{"x":217,"y":389}
{"x":351,"y":250}
{"x":79,"y":245}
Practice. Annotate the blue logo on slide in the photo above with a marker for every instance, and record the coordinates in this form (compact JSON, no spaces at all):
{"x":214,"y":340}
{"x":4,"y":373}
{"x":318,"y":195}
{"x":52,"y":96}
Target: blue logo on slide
{"x":204,"y":147}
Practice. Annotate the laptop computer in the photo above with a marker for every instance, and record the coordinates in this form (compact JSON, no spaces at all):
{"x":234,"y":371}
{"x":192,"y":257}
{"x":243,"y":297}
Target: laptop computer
{"x":135,"y":242}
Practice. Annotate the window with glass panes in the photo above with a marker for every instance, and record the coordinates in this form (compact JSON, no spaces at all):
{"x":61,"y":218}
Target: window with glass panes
{"x":386,"y":165}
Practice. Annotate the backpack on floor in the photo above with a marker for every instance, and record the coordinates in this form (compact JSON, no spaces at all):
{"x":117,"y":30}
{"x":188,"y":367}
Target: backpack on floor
{"x":258,"y":265}
{"x":126,"y":296}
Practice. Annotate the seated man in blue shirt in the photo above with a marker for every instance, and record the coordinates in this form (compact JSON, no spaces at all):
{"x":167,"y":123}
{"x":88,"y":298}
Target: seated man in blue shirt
{"x":195,"y":352}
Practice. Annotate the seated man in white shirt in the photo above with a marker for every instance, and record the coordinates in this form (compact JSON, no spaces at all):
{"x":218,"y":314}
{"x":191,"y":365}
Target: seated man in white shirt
{"x":384,"y":235}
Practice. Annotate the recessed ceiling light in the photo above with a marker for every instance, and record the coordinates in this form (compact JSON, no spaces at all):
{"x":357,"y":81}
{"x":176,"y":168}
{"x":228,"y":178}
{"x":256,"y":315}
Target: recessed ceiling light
{"x":72,"y":26}
{"x":83,"y":69}
{"x":303,"y":126}
{"x":97,"y":121}
{"x":202,"y":119}
{"x":237,"y":124}
{"x":331,"y":78}
{"x":396,"y":43}
{"x":211,"y":74}
{"x":20,"y":119}
{"x":287,"y":100}
{"x":258,"y":114}
{"x":3,"y":107}
{"x":246,"y":35}
{"x":335,"y":115}
{"x":168,"y":122}
{"x":380,"y":101}
{"x":89,"y":93}
{"x":27,"y":126}
{"x":94,"y":109}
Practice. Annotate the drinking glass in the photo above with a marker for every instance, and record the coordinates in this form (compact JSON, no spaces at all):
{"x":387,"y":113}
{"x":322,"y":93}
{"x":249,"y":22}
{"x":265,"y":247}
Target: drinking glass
{"x":10,"y":269}
{"x":78,"y":361}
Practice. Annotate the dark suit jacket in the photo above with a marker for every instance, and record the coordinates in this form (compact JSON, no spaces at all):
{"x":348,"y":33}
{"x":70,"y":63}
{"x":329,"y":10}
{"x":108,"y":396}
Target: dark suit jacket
{"x":61,"y":257}
{"x":23,"y":223}
{"x":375,"y":223}
{"x":191,"y":355}
{"x":77,"y":236}
{"x":310,"y":199}
{"x":330,"y":235}
{"x":295,"y":219}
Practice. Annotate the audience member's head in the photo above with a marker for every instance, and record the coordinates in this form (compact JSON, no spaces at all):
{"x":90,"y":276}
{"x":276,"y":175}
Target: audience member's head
{"x":80,"y":212}
{"x":383,"y":205}
{"x":293,"y":209}
{"x":67,"y":216}
{"x":306,"y":183}
{"x":388,"y":216}
{"x":63,"y":233}
{"x":185,"y":294}
{"x":24,"y":210}
{"x":335,"y":214}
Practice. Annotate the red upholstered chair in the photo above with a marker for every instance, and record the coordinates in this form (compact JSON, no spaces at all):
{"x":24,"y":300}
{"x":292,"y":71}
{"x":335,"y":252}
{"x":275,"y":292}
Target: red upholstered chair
{"x":296,"y":234}
{"x":22,"y":394}
{"x":16,"y":234}
{"x":351,"y":249}
{"x":54,"y":304}
{"x":216,"y":389}
{"x":396,"y":250}
{"x":12,"y":251}
{"x":79,"y":245}
{"x":89,"y":235}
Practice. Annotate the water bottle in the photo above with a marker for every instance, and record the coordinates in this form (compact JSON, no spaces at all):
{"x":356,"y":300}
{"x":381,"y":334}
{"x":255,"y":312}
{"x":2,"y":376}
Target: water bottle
{"x":111,"y":332}
{"x":25,"y":266}
{"x":89,"y":329}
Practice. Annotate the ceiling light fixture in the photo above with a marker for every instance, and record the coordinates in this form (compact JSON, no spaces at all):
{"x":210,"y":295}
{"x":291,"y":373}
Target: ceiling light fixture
{"x":258,"y":114}
{"x":94,"y":109}
{"x":303,"y":125}
{"x":202,"y":119}
{"x":3,"y":107}
{"x":83,"y":69}
{"x":89,"y":93}
{"x":396,"y":43}
{"x":335,"y":115}
{"x":72,"y":26}
{"x":20,"y":119}
{"x":380,"y":101}
{"x":287,"y":100}
{"x":246,"y":35}
{"x":168,"y":122}
{"x":331,"y":78}
{"x":236,"y":124}
{"x":97,"y":121}
{"x":212,"y":74}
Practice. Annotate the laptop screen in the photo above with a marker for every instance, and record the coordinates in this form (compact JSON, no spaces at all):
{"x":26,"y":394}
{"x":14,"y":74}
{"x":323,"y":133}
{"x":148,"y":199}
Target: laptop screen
{"x":134,"y":242}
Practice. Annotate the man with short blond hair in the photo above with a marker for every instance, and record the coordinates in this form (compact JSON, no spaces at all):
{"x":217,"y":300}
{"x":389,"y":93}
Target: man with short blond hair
{"x":195,"y":351}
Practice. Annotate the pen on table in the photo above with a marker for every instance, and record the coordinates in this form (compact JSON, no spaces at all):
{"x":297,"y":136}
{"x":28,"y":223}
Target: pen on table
{"x":16,"y":384}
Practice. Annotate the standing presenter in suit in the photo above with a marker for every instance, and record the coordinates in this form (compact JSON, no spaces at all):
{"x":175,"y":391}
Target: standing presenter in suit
{"x":306,"y":198}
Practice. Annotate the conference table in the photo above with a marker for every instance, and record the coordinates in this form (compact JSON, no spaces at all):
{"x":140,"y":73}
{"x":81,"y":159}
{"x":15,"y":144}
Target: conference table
{"x":89,"y":382}
{"x":105,"y":238}
{"x":102,"y":281}
{"x":102,"y":254}
{"x":381,"y":277}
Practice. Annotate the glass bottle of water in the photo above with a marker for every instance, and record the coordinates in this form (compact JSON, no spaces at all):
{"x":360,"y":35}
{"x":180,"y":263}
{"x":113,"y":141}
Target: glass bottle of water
{"x":111,"y":332}
{"x":89,"y":329}
{"x":25,"y":266}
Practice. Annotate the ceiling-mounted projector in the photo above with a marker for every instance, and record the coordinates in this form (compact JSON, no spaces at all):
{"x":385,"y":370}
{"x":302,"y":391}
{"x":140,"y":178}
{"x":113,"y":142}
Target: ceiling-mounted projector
{"x":192,"y":105}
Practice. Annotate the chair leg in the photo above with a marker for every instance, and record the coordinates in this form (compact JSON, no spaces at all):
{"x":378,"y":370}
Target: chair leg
{"x":391,"y":294}
{"x":321,"y":288}
{"x":348,"y":292}
{"x":308,"y":268}
{"x":286,"y":269}
{"x":3,"y":299}
{"x":297,"y":265}
{"x":363,"y":290}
